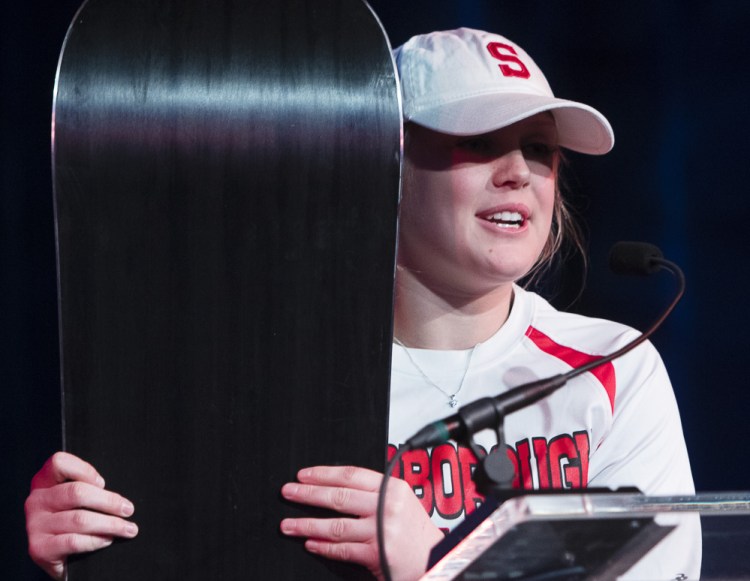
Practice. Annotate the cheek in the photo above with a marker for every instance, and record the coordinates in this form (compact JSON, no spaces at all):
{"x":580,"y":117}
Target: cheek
{"x":415,"y":218}
{"x":548,"y":208}
{"x":550,"y":195}
{"x":423,"y":198}
{"x":410,"y":199}
{"x":546,"y":187}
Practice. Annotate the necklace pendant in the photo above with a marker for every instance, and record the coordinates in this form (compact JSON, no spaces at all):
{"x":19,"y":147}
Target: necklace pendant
{"x":452,"y":401}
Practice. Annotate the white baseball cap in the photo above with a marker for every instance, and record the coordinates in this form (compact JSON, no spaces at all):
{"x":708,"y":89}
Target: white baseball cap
{"x":469,"y":82}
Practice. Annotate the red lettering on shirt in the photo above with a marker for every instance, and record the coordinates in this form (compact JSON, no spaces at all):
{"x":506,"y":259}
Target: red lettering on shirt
{"x":443,"y":477}
{"x":446,"y":478}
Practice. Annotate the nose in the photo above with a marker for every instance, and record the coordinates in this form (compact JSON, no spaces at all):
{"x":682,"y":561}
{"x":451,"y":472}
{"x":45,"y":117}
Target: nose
{"x":511,"y":170}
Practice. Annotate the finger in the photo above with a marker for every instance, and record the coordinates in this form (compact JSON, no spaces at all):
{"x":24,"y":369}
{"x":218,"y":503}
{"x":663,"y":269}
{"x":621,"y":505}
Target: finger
{"x":338,"y":498}
{"x":72,"y":495}
{"x":348,"y":476}
{"x":360,"y":553}
{"x":329,"y":529}
{"x":58,"y":547}
{"x":51,"y":552}
{"x":88,"y":522}
{"x":63,"y":466}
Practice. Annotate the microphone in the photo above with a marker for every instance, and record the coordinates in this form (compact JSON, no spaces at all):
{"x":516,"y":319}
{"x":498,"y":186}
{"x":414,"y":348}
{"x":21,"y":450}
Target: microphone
{"x":631,"y":258}
{"x":635,"y":258}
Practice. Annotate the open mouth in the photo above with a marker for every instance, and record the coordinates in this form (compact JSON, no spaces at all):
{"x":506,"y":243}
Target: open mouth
{"x":506,"y":219}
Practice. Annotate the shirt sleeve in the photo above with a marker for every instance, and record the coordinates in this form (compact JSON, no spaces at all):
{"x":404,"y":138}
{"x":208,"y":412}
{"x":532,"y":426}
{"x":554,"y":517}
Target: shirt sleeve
{"x":645,"y":447}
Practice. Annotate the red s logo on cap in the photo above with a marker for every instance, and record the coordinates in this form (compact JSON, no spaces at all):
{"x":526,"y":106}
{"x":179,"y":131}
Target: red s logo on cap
{"x":507,"y":54}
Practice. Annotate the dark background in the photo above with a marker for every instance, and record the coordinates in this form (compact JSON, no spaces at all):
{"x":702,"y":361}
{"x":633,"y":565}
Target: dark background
{"x":670,"y":76}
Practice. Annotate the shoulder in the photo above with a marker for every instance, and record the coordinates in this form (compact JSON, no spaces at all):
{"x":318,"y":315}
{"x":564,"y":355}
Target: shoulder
{"x":578,"y":339}
{"x":592,"y":335}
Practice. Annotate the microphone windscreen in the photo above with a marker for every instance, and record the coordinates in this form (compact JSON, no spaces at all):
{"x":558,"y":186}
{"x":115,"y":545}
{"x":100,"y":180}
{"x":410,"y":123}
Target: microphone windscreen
{"x":634,"y":258}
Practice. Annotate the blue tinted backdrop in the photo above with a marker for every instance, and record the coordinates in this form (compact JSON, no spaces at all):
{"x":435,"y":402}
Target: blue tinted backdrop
{"x":671,"y":77}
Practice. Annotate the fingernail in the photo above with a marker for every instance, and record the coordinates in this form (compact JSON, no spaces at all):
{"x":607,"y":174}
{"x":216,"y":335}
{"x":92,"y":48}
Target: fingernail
{"x":127,"y":508}
{"x":312,"y":546}
{"x":131,"y":529}
{"x":287,"y":526}
{"x":100,"y":482}
{"x":304,"y":473}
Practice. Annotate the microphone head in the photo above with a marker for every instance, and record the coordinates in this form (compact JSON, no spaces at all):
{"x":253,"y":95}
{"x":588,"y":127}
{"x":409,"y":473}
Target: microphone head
{"x":634,"y":258}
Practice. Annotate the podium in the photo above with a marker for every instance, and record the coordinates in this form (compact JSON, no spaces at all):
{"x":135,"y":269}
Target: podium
{"x":600,"y":536}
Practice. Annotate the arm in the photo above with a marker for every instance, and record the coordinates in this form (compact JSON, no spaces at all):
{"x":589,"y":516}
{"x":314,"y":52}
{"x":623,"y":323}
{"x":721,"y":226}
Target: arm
{"x":69,"y":511}
{"x":646,"y":448}
{"x":409,"y":533}
{"x":645,"y":445}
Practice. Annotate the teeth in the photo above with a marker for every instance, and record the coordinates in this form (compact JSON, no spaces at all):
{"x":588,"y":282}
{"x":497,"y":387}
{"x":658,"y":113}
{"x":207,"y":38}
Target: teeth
{"x":507,"y":218}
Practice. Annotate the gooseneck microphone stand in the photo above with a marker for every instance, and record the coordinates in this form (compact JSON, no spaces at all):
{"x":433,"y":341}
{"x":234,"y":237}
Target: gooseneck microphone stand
{"x":495,"y":473}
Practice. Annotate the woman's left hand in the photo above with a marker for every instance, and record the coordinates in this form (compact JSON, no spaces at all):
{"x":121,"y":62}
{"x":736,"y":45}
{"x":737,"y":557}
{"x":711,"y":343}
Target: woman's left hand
{"x":352,"y":491}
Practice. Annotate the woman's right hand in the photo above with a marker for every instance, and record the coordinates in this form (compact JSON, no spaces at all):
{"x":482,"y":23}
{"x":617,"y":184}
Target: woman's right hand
{"x":69,"y":511}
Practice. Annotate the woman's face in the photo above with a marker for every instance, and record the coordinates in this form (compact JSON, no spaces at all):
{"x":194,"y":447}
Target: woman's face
{"x":476,"y":211}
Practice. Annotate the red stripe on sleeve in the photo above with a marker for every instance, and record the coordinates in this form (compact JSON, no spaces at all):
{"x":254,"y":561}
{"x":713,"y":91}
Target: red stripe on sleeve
{"x":604,"y":373}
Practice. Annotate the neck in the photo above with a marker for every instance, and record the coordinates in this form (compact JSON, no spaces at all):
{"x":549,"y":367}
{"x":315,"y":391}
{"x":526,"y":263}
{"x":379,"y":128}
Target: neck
{"x":430,"y":318}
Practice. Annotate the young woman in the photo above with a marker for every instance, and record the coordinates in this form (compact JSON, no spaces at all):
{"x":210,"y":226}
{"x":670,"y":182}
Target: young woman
{"x":481,"y":210}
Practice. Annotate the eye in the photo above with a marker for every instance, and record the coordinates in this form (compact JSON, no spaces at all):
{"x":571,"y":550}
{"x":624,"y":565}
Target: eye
{"x":540,"y":150}
{"x":475,"y":145}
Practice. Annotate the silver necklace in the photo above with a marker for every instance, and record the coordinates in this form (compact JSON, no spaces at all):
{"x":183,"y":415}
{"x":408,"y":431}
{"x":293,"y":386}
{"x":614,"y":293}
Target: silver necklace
{"x":452,"y":401}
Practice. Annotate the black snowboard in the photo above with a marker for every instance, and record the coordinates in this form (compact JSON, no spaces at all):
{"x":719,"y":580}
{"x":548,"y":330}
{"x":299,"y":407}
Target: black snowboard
{"x":226,"y":186}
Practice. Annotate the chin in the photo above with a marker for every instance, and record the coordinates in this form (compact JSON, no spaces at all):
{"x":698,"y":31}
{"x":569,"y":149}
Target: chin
{"x":509,"y":271}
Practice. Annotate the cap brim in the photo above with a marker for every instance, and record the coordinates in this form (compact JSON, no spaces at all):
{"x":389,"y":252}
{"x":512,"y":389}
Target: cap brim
{"x":580,"y":127}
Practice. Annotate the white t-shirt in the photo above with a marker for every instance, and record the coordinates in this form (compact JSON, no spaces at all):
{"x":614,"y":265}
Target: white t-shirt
{"x":615,"y":426}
